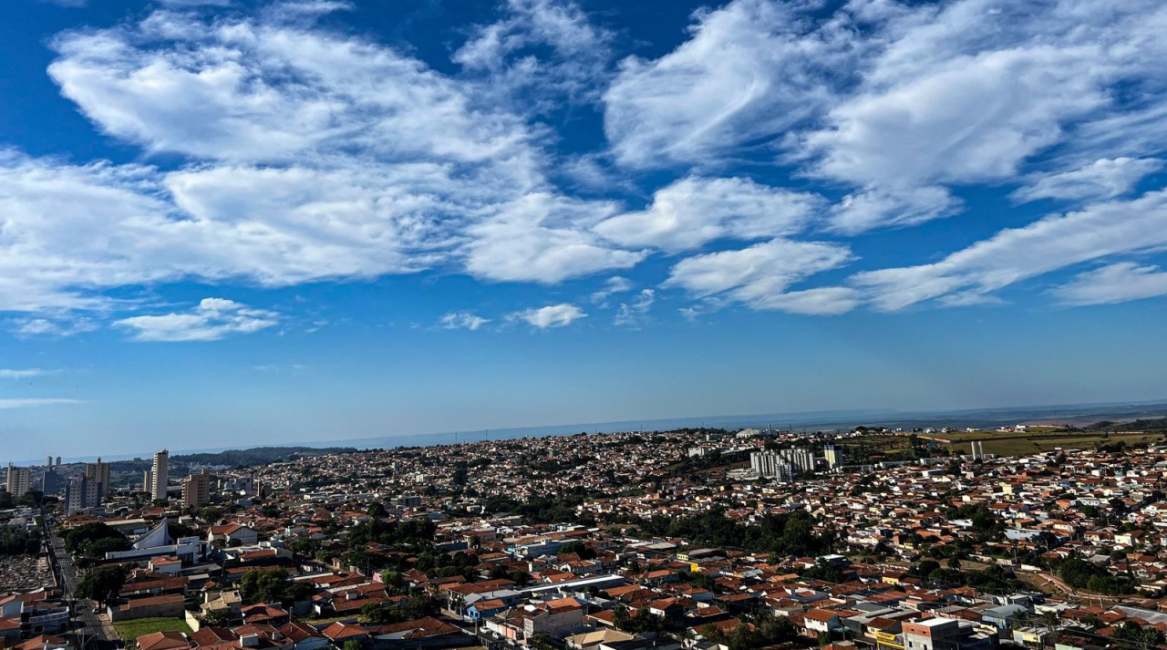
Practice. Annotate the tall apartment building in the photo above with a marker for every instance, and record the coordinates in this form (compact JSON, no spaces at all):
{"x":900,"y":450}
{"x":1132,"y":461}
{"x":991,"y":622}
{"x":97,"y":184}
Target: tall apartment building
{"x":148,"y":482}
{"x":769,"y":464}
{"x":160,"y":474}
{"x":802,"y":460}
{"x":18,"y":481}
{"x":782,"y":465}
{"x":99,"y":473}
{"x":834,"y":455}
{"x":196,"y":490}
{"x":82,"y":494}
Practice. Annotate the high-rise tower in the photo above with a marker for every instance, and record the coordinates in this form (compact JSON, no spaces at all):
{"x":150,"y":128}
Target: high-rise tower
{"x":160,"y":475}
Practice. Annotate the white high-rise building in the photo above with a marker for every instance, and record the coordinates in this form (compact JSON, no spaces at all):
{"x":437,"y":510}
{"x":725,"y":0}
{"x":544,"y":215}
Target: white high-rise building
{"x":802,"y":460}
{"x":18,"y":481}
{"x":833,"y":455}
{"x":160,"y":475}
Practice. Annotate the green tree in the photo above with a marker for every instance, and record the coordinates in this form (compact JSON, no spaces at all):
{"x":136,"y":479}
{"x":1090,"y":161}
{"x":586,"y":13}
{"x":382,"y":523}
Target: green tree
{"x":103,"y":585}
{"x":377,"y":509}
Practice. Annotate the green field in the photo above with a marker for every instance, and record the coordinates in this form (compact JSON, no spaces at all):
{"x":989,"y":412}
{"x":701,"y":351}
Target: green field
{"x":1014,"y":446}
{"x":130,"y":630}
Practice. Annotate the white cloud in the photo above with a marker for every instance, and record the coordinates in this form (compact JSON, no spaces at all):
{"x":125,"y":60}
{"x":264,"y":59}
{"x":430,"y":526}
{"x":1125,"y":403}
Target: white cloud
{"x":897,"y":102}
{"x":761,"y":275}
{"x":25,"y":403}
{"x":257,"y":90}
{"x":544,"y":238}
{"x":24,"y":373}
{"x":510,"y":50}
{"x":1105,"y":178}
{"x":1121,"y":282}
{"x":634,"y":313}
{"x":751,"y":70}
{"x":195,"y":3}
{"x":312,"y":155}
{"x":549,"y":317}
{"x":693,"y":211}
{"x":211,"y":320}
{"x":1054,"y":242}
{"x":56,"y":327}
{"x":613,"y":285}
{"x":462,"y":320}
{"x":860,"y":212}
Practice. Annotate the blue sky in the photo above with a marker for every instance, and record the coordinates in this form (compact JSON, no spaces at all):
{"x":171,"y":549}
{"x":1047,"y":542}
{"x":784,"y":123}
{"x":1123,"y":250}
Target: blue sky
{"x":226,"y":222}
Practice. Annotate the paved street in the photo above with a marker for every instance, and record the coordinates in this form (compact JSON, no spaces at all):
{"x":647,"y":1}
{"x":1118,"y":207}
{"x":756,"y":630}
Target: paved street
{"x":99,"y":634}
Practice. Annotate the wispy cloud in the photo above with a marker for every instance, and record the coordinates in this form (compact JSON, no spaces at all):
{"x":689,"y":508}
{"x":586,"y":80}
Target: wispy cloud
{"x":634,"y":313}
{"x":462,"y":320}
{"x":24,"y":373}
{"x":761,"y":276}
{"x":211,"y":320}
{"x":1121,"y":282}
{"x":613,"y":285}
{"x":1054,"y":242}
{"x":26,"y":403}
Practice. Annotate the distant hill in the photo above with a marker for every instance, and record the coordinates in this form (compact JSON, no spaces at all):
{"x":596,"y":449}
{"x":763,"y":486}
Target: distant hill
{"x":231,"y":458}
{"x":256,"y":456}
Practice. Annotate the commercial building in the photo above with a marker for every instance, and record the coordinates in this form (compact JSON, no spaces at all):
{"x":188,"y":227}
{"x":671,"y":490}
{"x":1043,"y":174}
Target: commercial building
{"x":18,"y":481}
{"x":160,"y":475}
{"x":196,"y":490}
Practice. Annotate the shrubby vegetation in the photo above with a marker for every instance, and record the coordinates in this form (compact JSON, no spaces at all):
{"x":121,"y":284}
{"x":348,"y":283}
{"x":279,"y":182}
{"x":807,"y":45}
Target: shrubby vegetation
{"x":274,"y":586}
{"x":94,"y":541}
{"x":786,"y":534}
{"x":15,"y":541}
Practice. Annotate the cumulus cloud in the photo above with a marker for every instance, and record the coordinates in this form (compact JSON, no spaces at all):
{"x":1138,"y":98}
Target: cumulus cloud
{"x":761,"y":275}
{"x":549,"y":317}
{"x":462,"y":320}
{"x":211,"y":320}
{"x":1114,"y":283}
{"x":693,"y":211}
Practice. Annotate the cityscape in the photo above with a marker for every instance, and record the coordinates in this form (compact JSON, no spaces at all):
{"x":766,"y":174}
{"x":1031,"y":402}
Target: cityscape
{"x":1031,"y":535}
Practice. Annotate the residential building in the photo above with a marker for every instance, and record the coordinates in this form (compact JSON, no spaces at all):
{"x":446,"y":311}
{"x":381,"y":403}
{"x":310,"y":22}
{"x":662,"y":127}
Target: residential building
{"x":833,"y":455}
{"x":82,"y":495}
{"x":196,"y":490}
{"x":18,"y":481}
{"x":159,"y":476}
{"x":99,"y":473}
